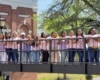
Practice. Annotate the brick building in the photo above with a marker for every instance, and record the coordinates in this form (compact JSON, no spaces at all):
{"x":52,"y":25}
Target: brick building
{"x":16,"y":14}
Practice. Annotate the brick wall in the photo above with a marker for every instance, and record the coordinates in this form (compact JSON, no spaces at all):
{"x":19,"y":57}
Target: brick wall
{"x":14,"y":22}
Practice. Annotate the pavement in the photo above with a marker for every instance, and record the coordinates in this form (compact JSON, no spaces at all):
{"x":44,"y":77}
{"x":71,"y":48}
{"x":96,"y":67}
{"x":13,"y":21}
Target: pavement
{"x":98,"y":78}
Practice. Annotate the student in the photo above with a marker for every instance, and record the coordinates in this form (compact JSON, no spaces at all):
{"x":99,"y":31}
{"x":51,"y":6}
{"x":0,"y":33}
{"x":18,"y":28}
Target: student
{"x":43,"y":46}
{"x":35,"y":49}
{"x":71,"y":46}
{"x":80,"y":44}
{"x":63,"y":46}
{"x":2,"y":48}
{"x":23,"y":47}
{"x":8,"y":47}
{"x":55,"y":54}
{"x":14,"y":45}
{"x":93,"y":45}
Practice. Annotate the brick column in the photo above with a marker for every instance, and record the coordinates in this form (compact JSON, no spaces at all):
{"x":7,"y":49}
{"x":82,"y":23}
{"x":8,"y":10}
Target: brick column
{"x":14,"y":19}
{"x":34,"y":25}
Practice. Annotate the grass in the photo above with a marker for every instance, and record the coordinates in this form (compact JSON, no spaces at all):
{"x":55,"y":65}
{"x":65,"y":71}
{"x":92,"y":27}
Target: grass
{"x":47,"y":76}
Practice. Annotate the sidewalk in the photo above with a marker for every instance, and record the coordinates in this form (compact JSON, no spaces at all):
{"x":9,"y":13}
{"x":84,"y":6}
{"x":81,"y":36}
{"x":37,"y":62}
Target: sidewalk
{"x":98,"y":78}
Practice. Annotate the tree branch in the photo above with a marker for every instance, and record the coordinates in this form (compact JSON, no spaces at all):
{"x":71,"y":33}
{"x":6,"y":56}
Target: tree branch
{"x":91,"y":6}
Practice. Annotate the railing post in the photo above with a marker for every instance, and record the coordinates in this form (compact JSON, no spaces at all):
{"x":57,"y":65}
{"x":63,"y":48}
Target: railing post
{"x":85,"y":64}
{"x":20,"y":56}
{"x":50,"y":49}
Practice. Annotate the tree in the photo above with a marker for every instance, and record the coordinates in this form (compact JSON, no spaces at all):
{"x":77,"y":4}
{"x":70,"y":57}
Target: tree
{"x":71,"y":14}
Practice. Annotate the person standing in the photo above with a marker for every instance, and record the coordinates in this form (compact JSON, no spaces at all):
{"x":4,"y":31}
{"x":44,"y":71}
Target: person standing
{"x":14,"y":45}
{"x":8,"y":47}
{"x":28,"y":52}
{"x":92,"y":42}
{"x":80,"y":44}
{"x":43,"y":46}
{"x":2,"y":49}
{"x":35,"y":50}
{"x":71,"y":46}
{"x":23,"y":46}
{"x":63,"y":46}
{"x":55,"y":54}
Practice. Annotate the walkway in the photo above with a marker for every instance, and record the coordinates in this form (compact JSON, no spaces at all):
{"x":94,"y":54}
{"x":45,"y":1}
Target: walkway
{"x":98,"y":78}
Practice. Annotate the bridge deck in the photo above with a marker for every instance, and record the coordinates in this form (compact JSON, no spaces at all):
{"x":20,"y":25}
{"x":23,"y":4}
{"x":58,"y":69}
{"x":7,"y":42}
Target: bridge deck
{"x":52,"y":68}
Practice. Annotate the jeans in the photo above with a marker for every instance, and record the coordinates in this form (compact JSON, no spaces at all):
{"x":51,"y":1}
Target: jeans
{"x":0,"y":59}
{"x":71,"y":55}
{"x":26,"y":56}
{"x":80,"y":54}
{"x":35,"y":56}
{"x":15,"y":55}
{"x":63,"y":56}
{"x":94,"y":54}
{"x":9,"y":53}
{"x":86,"y":55}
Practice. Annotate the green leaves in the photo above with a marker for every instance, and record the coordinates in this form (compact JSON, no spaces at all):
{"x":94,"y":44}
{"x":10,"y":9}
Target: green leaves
{"x":70,"y":14}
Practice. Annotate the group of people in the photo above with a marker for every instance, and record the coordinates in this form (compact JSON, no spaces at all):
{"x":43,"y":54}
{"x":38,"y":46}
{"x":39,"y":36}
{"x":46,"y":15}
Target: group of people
{"x":54,"y":48}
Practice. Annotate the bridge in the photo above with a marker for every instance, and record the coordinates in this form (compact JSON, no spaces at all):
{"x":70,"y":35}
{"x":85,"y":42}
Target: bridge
{"x":51,"y":67}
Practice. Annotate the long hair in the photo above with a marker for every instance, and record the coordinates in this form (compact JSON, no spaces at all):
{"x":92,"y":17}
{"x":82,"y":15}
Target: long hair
{"x":89,"y":32}
{"x":7,"y":37}
{"x":2,"y":37}
{"x":77,"y":34}
{"x":42,"y":35}
{"x":35,"y":41}
{"x":62,"y":33}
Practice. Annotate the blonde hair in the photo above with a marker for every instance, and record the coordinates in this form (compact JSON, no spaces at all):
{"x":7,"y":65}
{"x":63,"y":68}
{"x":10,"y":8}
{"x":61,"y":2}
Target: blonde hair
{"x":15,"y":33}
{"x":29,"y":36}
{"x":57,"y":35}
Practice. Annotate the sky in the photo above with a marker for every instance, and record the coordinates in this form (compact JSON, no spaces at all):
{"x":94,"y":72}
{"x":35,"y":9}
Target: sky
{"x":43,"y":5}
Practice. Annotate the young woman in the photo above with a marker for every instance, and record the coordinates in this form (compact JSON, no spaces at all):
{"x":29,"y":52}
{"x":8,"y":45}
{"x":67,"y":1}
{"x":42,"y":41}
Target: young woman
{"x":14,"y":44}
{"x":8,"y":47}
{"x":55,"y":54}
{"x":2,"y":49}
{"x":80,"y":44}
{"x":93,"y":45}
{"x":43,"y":46}
{"x":35,"y":49}
{"x":27,"y":54}
{"x":63,"y":46}
{"x":23,"y":47}
{"x":71,"y":46}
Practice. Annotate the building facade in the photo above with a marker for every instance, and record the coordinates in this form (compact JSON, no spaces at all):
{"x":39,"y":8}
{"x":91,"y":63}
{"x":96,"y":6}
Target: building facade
{"x":17,"y":15}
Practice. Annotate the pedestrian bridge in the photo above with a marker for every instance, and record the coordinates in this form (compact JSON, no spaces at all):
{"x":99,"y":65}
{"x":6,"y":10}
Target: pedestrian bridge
{"x":74,"y":68}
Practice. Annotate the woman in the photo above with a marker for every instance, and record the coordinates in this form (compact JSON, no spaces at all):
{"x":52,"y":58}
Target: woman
{"x":93,"y":45}
{"x":71,"y":46}
{"x":35,"y":50}
{"x":23,"y":47}
{"x":63,"y":46}
{"x":80,"y":44}
{"x":43,"y":46}
{"x":2,"y":49}
{"x":28,"y":52}
{"x":14,"y":44}
{"x":8,"y":47}
{"x":55,"y":55}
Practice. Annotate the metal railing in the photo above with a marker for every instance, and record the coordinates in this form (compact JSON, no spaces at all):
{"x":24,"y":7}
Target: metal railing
{"x":70,"y":55}
{"x":59,"y":51}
